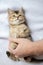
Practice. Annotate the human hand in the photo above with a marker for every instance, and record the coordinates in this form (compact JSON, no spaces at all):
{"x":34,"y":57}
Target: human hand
{"x":24,"y":48}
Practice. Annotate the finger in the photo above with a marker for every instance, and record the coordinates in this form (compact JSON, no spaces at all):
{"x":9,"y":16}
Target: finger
{"x":16,"y":51}
{"x":11,"y":49}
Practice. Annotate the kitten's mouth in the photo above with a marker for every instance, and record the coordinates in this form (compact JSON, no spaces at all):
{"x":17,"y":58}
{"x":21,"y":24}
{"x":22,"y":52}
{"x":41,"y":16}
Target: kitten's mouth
{"x":17,"y":22}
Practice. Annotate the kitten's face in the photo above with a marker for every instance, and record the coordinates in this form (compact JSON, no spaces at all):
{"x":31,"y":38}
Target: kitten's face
{"x":16,"y":17}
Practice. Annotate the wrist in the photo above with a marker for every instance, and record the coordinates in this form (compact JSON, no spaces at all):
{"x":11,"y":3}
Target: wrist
{"x":31,"y":49}
{"x":35,"y":49}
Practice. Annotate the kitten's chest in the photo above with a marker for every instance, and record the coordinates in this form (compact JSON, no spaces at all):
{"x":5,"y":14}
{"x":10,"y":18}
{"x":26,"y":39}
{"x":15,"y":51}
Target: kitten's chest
{"x":19,"y":31}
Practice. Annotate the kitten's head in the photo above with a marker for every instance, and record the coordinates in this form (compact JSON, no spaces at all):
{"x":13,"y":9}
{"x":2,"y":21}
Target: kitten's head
{"x":16,"y":16}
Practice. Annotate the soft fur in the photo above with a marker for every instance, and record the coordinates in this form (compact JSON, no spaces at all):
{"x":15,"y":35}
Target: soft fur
{"x":18,"y":28}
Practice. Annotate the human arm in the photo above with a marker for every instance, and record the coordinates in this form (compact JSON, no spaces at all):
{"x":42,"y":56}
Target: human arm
{"x":26,"y":47}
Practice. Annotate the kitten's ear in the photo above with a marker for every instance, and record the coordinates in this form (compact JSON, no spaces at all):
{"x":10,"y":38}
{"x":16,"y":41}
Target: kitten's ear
{"x":22,"y":11}
{"x":9,"y":11}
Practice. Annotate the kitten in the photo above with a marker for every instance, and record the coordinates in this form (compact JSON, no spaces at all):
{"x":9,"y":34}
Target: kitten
{"x":17,"y":29}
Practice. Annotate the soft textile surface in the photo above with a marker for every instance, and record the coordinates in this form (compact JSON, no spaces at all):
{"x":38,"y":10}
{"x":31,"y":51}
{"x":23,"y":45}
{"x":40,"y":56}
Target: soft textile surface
{"x":34,"y":15}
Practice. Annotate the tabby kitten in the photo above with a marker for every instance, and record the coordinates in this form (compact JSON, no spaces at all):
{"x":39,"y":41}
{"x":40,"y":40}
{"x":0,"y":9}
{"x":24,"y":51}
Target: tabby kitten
{"x":17,"y":29}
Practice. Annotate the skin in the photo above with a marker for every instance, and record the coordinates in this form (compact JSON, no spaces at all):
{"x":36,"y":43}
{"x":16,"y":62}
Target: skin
{"x":26,"y":47}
